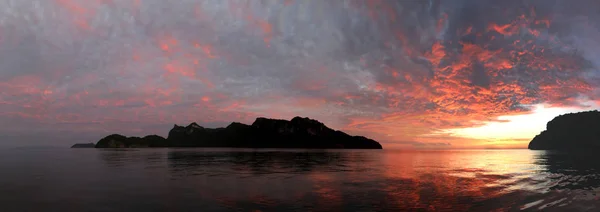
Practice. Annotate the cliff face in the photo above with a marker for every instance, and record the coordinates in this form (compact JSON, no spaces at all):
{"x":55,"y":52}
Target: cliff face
{"x":263,"y":133}
{"x":570,"y":132}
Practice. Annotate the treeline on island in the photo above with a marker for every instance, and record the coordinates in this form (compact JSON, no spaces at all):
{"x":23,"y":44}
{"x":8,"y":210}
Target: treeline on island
{"x":573,"y":131}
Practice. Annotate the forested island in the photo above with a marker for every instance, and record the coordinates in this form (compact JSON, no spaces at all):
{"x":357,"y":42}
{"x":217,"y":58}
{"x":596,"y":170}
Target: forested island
{"x":573,"y":131}
{"x":263,"y":133}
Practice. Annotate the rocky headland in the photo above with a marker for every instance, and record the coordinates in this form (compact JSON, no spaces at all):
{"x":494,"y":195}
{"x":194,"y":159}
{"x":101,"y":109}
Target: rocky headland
{"x":573,"y":131}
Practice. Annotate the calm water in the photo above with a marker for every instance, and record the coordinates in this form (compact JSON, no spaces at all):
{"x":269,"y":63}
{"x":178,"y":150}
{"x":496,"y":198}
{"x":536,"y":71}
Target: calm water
{"x":277,"y":180}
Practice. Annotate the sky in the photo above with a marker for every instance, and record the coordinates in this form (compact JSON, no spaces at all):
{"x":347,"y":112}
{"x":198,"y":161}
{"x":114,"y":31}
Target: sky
{"x":410,"y":74}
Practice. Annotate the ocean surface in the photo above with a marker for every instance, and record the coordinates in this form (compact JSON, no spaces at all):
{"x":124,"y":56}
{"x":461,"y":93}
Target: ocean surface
{"x":63,"y":179}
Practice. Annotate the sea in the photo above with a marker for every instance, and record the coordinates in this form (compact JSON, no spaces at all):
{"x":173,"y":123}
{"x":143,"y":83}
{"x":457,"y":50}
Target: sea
{"x":64,"y":179}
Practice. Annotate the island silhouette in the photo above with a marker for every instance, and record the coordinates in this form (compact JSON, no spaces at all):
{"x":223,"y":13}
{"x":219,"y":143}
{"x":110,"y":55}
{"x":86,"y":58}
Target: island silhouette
{"x":572,"y":131}
{"x":299,"y":132}
{"x":84,"y":145}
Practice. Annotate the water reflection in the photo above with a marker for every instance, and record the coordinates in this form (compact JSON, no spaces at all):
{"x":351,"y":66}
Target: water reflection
{"x":125,"y":157}
{"x":266,"y":162}
{"x":571,"y":170}
{"x":372,"y":180}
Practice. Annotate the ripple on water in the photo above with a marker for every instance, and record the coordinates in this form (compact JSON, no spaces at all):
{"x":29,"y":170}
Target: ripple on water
{"x":247,"y":180}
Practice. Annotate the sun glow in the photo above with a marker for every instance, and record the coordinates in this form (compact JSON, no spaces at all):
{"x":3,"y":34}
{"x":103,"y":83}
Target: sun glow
{"x":516,"y":130}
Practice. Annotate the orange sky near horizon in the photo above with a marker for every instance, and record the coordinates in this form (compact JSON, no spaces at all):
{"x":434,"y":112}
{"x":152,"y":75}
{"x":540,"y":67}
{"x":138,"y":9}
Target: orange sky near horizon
{"x":507,"y":132}
{"x":410,"y":74}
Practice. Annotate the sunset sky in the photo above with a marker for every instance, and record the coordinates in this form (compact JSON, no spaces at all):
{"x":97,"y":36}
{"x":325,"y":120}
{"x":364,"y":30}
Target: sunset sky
{"x":410,"y":74}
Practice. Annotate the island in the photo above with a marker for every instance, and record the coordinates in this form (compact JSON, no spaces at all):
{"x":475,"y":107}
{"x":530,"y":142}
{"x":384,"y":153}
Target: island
{"x":573,"y":131}
{"x":304,"y":133}
{"x":84,"y":145}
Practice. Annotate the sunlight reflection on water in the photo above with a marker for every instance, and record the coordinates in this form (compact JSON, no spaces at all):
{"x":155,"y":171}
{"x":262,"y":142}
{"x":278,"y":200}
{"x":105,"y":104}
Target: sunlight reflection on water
{"x":277,"y":180}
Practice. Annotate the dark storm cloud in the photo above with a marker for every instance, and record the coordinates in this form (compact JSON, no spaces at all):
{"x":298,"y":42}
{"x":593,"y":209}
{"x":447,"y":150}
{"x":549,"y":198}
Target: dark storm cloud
{"x":394,"y":70}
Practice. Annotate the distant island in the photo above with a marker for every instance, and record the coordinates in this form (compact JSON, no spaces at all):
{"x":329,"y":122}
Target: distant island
{"x":573,"y":131}
{"x":263,"y":133}
{"x":84,"y":145}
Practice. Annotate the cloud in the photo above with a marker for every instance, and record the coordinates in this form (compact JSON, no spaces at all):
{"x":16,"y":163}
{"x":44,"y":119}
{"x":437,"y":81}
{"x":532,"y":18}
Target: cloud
{"x":392,"y":70}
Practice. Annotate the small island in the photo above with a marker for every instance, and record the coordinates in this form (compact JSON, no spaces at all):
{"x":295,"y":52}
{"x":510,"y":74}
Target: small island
{"x":573,"y":131}
{"x":84,"y":145}
{"x":299,"y":132}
